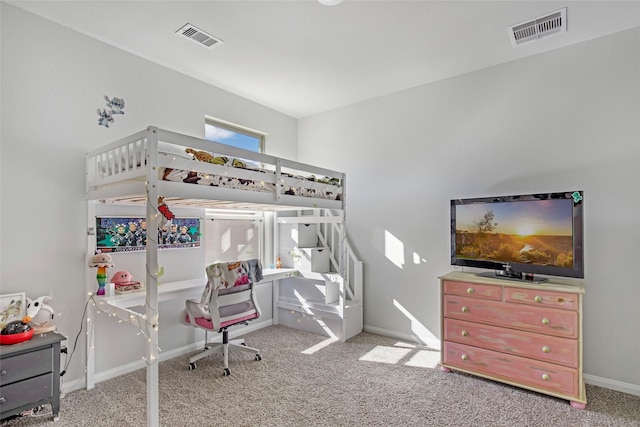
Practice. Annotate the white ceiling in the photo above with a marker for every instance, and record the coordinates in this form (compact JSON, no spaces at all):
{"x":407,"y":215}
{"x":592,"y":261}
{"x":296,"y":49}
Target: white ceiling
{"x":303,"y":58}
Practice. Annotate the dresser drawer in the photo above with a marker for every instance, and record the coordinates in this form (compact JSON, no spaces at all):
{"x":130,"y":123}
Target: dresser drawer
{"x":535,"y":346}
{"x":27,"y":365}
{"x":32,"y":390}
{"x":542,"y":298}
{"x":525,"y":372}
{"x":473,"y":290}
{"x":563,"y":323}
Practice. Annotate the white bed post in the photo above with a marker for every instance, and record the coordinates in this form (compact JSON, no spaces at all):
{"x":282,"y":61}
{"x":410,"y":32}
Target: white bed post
{"x":151,"y":305}
{"x":91,"y":310}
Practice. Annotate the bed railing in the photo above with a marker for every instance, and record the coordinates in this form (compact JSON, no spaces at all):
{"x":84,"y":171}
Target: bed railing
{"x":127,"y":160}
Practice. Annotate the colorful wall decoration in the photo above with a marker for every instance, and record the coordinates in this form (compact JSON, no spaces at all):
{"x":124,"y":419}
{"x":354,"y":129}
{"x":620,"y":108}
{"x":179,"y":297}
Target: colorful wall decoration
{"x":128,"y":234}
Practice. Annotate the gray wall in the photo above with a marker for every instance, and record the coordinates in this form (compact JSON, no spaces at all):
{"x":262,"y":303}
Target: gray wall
{"x":53,"y":81}
{"x":563,"y":120}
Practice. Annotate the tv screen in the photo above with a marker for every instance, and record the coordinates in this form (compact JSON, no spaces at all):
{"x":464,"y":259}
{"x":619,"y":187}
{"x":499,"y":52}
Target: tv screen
{"x":519,"y":236}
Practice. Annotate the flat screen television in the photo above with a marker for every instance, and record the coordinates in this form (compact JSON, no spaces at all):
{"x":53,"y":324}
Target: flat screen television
{"x":518,"y":237}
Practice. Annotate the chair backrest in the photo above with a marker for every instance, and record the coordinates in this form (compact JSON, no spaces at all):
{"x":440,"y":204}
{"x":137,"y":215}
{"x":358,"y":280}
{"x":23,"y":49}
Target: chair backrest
{"x":229,"y":295}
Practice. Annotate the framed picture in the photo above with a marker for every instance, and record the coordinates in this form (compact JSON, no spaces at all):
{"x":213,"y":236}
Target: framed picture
{"x":128,"y":234}
{"x":12,"y":307}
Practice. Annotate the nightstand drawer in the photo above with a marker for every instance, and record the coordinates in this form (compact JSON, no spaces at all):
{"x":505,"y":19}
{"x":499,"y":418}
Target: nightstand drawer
{"x":31,"y":390}
{"x":542,"y":298}
{"x":18,"y":367}
{"x":473,"y":290}
{"x":527,"y":344}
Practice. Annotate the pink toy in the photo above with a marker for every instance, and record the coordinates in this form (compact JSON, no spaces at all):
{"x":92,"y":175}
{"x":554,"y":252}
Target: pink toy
{"x":121,"y":277}
{"x":123,"y":282}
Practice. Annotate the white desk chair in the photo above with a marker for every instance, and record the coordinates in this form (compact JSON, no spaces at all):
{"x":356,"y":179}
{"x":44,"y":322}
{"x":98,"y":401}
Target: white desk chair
{"x":228,"y":299}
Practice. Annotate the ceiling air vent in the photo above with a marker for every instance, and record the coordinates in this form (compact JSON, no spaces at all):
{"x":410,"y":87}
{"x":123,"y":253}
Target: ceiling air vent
{"x":199,"y":36}
{"x":547,"y":25}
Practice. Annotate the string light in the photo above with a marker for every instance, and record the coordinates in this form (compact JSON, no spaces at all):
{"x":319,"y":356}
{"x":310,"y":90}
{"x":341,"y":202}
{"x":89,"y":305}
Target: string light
{"x":147,"y":323}
{"x":139,"y":320}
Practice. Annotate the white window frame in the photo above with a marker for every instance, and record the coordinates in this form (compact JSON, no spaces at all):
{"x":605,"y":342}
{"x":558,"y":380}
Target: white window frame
{"x":232,"y":127}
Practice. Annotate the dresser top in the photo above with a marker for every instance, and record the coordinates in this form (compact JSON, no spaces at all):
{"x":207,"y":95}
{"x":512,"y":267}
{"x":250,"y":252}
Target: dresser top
{"x":561,"y":285}
{"x":38,"y":340}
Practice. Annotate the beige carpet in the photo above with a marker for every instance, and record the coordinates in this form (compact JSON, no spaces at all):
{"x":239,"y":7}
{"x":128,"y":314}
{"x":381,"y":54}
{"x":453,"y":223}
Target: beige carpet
{"x":303,"y":380}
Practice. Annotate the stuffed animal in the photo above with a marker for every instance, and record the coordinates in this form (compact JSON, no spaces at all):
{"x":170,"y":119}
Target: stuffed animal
{"x":222,"y":160}
{"x":40,"y":315}
{"x":102,"y":261}
{"x":238,"y":164}
{"x":124,"y":283}
{"x":121,"y":277}
{"x":203,"y":156}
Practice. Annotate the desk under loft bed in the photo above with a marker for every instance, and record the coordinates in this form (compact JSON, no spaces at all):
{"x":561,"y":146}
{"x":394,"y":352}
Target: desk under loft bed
{"x":154,"y":163}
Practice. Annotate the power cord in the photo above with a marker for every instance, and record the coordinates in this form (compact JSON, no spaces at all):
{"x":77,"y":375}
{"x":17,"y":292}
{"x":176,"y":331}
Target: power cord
{"x":75,"y":343}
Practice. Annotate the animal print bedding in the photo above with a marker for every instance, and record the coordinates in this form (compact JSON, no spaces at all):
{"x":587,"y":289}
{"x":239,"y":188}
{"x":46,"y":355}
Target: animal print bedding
{"x":293,"y":186}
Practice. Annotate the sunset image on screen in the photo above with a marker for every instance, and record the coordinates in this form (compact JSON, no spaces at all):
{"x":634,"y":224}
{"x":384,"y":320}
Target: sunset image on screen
{"x":533,"y":232}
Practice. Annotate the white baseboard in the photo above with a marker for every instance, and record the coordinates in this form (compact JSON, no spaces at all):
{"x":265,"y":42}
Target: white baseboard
{"x":589,"y":379}
{"x":612,"y":384}
{"x":165,"y":355}
{"x":400,"y":336}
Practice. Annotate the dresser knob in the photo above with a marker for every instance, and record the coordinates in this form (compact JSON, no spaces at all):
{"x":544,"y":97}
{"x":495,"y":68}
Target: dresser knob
{"x":3,"y":372}
{"x":537,"y":298}
{"x":546,"y":377}
{"x":465,"y":334}
{"x":470,"y":290}
{"x":546,"y":349}
{"x":545,"y":321}
{"x":2,"y":400}
{"x":464,"y":357}
{"x":465,"y":309}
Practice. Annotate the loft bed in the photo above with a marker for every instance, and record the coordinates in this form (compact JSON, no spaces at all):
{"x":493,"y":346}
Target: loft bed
{"x":192,"y":172}
{"x":227,"y":177}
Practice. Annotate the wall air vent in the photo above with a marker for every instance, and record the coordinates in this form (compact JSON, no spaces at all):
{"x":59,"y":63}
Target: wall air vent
{"x":199,"y":36}
{"x":543,"y":26}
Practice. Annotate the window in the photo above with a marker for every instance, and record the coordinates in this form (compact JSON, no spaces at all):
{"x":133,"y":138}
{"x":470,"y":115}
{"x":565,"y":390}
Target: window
{"x":234,"y":135}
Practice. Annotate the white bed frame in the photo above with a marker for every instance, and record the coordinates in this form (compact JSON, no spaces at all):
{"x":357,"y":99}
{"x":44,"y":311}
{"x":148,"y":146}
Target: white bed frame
{"x":127,"y":172}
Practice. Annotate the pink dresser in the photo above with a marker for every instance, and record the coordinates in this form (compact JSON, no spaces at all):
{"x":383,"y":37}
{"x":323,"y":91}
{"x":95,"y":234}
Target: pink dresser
{"x":524,"y":334}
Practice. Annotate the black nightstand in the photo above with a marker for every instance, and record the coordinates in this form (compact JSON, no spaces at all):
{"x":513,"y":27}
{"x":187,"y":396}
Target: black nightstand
{"x":30,"y":374}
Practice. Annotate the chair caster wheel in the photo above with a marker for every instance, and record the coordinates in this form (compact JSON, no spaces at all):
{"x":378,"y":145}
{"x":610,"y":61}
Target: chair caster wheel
{"x":226,"y":372}
{"x":258,"y":357}
{"x":192,"y":366}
